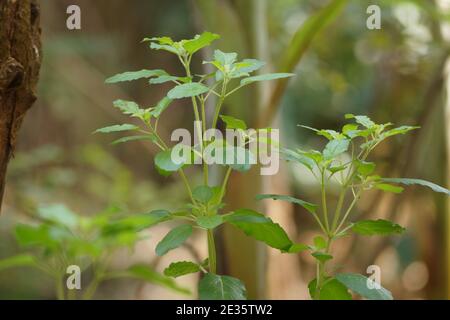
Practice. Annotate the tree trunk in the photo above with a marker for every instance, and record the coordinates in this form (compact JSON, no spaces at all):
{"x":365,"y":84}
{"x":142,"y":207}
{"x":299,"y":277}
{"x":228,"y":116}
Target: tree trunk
{"x":20,"y":60}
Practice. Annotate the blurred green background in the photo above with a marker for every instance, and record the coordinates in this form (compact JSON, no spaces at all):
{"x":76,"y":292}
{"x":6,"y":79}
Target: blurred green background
{"x":396,"y":74}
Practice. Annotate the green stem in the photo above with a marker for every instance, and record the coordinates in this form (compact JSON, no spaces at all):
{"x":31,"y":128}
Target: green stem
{"x":212,"y":252}
{"x":92,"y":288}
{"x":355,"y":200}
{"x":224,"y":183}
{"x":186,"y":184}
{"x":324,"y":203}
{"x":60,"y":287}
{"x":219,"y":104}
{"x":205,"y":165}
{"x":320,"y":277}
{"x":338,"y":211}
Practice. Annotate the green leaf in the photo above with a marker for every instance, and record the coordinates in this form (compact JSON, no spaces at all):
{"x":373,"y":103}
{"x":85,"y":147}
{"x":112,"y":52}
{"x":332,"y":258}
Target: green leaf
{"x":165,"y":47}
{"x":321,"y":256}
{"x":307,"y":205}
{"x":203,"y":194}
{"x":117,"y":128}
{"x":260,"y":228}
{"x":358,"y":284}
{"x":298,"y":247}
{"x":34,"y":236}
{"x":167,"y":78}
{"x":331,"y":290}
{"x":377,"y":227}
{"x":200,"y":41}
{"x":135,"y":75}
{"x":210,"y":222}
{"x":291,"y":155}
{"x":135,"y":223}
{"x":215,"y":287}
{"x":362,"y":120}
{"x":335,"y":148}
{"x":234,"y":123}
{"x":186,"y":90}
{"x":389,"y":188}
{"x":319,"y":243}
{"x":266,"y":77}
{"x":335,"y":169}
{"x":127,"y":107}
{"x":165,"y":164}
{"x":161,"y":106}
{"x":161,"y":40}
{"x":181,"y":268}
{"x":365,"y":168}
{"x":175,"y":238}
{"x":21,"y":260}
{"x":134,"y":138}
{"x":423,"y":183}
{"x":224,"y":58}
{"x":59,"y":214}
{"x":145,"y":273}
{"x":246,"y":66}
{"x":399,"y":130}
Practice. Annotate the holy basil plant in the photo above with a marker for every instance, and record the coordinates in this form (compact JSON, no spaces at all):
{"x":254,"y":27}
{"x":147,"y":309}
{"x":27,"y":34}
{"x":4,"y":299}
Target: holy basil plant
{"x":344,"y":161}
{"x":203,"y":212}
{"x":60,"y":240}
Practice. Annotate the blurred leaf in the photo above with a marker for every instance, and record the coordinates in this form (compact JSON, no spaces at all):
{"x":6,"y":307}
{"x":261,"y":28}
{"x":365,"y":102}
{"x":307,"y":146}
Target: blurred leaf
{"x":161,"y":106}
{"x":200,"y":41}
{"x":175,"y":238}
{"x":59,"y":214}
{"x":181,"y":268}
{"x":260,"y":228}
{"x":165,"y":165}
{"x":320,"y":243}
{"x":362,"y":120}
{"x":331,"y":290}
{"x":233,"y":123}
{"x":377,"y":227}
{"x":335,"y":148}
{"x":423,"y":183}
{"x":210,"y":222}
{"x":266,"y":77}
{"x":365,"y":168}
{"x":167,"y":78}
{"x":389,"y":188}
{"x":134,"y":75}
{"x":298,"y":247}
{"x":215,"y":287}
{"x":186,"y":90}
{"x":21,"y":260}
{"x":321,"y":256}
{"x":117,"y":128}
{"x":135,"y":223}
{"x":399,"y":130}
{"x":127,"y":107}
{"x":203,"y":194}
{"x":358,"y":284}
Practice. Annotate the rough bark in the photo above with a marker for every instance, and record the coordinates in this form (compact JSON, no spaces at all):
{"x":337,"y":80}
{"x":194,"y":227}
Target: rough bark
{"x":20,"y":60}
